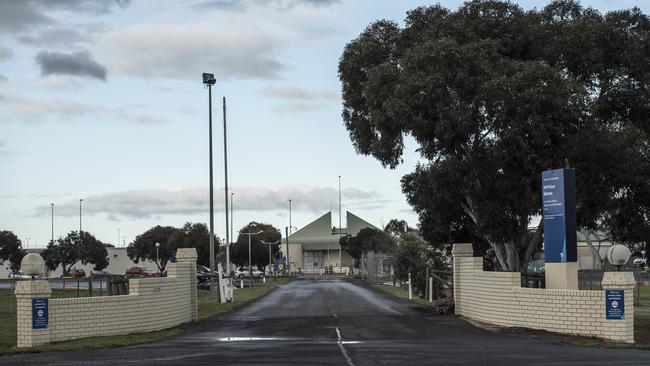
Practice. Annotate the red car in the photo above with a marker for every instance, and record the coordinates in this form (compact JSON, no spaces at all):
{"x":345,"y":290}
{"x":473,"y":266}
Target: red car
{"x":75,"y":273}
{"x":137,"y":271}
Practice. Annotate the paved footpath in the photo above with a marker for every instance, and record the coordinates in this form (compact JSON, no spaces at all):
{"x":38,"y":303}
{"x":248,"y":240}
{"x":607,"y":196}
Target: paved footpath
{"x":336,"y":322}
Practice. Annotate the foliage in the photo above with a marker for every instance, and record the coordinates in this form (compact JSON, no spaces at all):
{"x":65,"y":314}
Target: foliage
{"x":494,"y":95}
{"x":414,"y":256}
{"x":259,"y":250}
{"x":197,"y":236}
{"x":144,"y":246}
{"x":74,"y":248}
{"x":11,"y":249}
{"x":368,"y":239}
{"x":397,"y":227}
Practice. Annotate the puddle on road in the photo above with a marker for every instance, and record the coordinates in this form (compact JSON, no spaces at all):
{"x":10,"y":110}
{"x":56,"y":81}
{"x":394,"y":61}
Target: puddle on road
{"x":252,"y":339}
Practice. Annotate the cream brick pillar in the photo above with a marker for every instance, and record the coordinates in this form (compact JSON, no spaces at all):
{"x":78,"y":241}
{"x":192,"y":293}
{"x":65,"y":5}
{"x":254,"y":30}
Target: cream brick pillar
{"x":460,"y":251}
{"x":620,"y":330}
{"x":25,"y":292}
{"x":188,"y":255}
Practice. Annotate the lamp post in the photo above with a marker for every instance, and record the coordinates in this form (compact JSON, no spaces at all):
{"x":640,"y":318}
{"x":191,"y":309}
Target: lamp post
{"x":157,"y":256}
{"x":250,"y":264}
{"x":80,"y":200}
{"x":52,"y":204}
{"x":232,"y":236}
{"x":340,"y":223}
{"x":208,"y":81}
{"x":270,"y":244}
{"x":118,"y":238}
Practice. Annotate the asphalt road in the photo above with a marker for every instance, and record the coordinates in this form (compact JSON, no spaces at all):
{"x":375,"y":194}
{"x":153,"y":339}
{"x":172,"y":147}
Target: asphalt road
{"x":334,"y":322}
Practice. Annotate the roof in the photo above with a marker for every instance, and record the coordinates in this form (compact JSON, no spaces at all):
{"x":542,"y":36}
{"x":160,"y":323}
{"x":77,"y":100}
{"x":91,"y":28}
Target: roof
{"x":318,"y":235}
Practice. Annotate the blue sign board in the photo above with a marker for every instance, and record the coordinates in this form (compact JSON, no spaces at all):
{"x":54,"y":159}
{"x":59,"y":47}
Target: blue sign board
{"x":280,"y":264}
{"x":39,"y":313}
{"x":614,"y":304}
{"x":559,"y":204}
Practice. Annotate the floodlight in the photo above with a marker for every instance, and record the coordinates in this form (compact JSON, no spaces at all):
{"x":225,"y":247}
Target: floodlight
{"x":208,"y":79}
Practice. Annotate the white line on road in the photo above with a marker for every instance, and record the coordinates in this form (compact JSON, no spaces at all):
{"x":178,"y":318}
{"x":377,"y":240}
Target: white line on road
{"x":340,"y":343}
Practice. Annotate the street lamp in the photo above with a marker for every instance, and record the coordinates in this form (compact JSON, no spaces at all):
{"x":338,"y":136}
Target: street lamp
{"x":208,"y":81}
{"x":269,"y":244}
{"x":52,"y":204}
{"x":118,"y":238}
{"x":250,"y":265}
{"x":158,"y":256}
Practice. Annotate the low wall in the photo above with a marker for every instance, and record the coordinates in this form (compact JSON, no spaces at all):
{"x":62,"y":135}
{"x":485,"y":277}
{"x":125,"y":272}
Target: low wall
{"x":498,"y":298}
{"x":152,"y":304}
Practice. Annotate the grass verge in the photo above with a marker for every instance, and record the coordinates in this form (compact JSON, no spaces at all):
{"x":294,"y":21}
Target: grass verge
{"x":208,"y":307}
{"x":404,"y":294}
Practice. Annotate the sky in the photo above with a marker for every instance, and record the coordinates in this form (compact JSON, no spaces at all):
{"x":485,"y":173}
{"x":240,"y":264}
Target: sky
{"x":103,"y":101}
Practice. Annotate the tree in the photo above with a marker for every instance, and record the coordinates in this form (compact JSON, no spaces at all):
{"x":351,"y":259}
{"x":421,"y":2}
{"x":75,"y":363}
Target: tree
{"x":74,"y":248}
{"x":397,"y":227}
{"x":144,"y":246}
{"x":11,"y":249}
{"x":493,"y":96}
{"x":195,"y":236}
{"x":259,"y":250}
{"x":368,"y":239}
{"x":413,"y":256}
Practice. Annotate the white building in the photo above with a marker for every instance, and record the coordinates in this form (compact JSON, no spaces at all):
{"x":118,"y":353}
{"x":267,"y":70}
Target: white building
{"x":118,"y":263}
{"x":315,"y":247}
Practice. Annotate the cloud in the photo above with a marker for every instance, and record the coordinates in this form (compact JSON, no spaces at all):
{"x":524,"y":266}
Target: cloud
{"x":5,"y":53}
{"x":17,"y":108}
{"x":59,"y":36}
{"x":147,"y":203}
{"x":299,"y":99}
{"x":18,"y":16}
{"x":185,"y":51}
{"x":297,"y":92}
{"x":4,"y":151}
{"x":240,"y":5}
{"x":3,"y":78}
{"x":78,"y":64}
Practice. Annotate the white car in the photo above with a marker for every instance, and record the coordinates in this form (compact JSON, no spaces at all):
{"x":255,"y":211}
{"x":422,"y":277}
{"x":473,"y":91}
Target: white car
{"x":244,"y":273}
{"x":19,"y":275}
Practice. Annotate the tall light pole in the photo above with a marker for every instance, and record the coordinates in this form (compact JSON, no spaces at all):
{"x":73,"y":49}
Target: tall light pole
{"x":340,"y":223}
{"x":118,"y":237}
{"x":270,"y":244}
{"x":287,"y":231}
{"x":250,"y":264}
{"x":232,"y":233}
{"x":52,"y":204}
{"x":225,"y":168}
{"x":158,"y":256}
{"x":80,"y":200}
{"x":209,"y":80}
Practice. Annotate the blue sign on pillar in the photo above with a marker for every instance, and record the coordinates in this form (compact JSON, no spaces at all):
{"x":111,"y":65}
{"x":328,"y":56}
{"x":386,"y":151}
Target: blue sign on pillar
{"x":39,"y":313}
{"x":614,"y":304}
{"x":559,"y":204}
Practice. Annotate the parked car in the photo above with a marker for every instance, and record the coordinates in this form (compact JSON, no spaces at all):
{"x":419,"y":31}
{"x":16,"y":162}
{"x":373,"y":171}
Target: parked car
{"x":74,"y":273}
{"x":19,"y":275}
{"x":640,"y":262}
{"x":202,"y":274}
{"x":243,"y":272}
{"x":139,"y":271}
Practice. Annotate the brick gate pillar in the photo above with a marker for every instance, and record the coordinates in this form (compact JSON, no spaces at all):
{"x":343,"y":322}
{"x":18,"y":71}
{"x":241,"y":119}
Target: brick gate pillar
{"x":26,"y":292}
{"x":189,"y":256}
{"x":459,"y":252}
{"x":622,"y":330}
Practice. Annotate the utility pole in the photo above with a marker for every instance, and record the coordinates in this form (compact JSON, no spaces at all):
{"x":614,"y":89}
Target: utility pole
{"x":250,"y":264}
{"x":340,"y":228}
{"x":270,"y":244}
{"x":80,"y":200}
{"x":118,"y":237}
{"x":209,"y":80}
{"x":52,"y":204}
{"x":232,"y":233}
{"x":225,"y":168}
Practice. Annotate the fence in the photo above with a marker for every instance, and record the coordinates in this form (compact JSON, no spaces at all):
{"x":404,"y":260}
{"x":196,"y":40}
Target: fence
{"x":377,"y":267}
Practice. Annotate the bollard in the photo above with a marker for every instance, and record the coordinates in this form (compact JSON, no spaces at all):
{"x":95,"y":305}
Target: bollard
{"x":410,"y":288}
{"x":241,"y":283}
{"x":263,"y":279}
{"x":430,"y":289}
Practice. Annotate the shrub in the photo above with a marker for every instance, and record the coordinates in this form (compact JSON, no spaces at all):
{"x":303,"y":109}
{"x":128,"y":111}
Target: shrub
{"x":445,"y":306}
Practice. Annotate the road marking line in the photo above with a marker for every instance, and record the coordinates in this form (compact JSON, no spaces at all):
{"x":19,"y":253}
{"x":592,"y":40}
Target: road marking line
{"x":345,"y":354}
